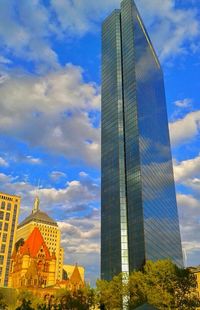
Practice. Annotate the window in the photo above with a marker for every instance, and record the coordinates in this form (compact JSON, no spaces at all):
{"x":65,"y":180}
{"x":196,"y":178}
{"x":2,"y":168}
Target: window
{"x":3,"y":247}
{"x":3,"y":205}
{"x":6,"y":226}
{"x":7,"y":216}
{"x":9,"y":206}
{"x":4,"y":237}
{"x":1,"y":259}
{"x":1,"y":215}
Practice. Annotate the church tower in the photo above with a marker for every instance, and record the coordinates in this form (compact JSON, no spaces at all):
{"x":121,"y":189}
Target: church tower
{"x":49,"y":230}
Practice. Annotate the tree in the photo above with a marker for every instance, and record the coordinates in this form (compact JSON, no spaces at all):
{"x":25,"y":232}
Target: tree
{"x":159,"y":279}
{"x":163,"y":285}
{"x":25,"y":305}
{"x":82,"y":299}
{"x":28,"y":299}
{"x":112,"y":293}
{"x":3,"y":305}
{"x":137,"y":289}
{"x":185,"y":296}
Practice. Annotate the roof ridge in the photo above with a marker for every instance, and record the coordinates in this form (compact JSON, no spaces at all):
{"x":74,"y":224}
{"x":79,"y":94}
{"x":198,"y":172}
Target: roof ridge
{"x":76,"y":275}
{"x":34,"y":243}
{"x":38,"y":216}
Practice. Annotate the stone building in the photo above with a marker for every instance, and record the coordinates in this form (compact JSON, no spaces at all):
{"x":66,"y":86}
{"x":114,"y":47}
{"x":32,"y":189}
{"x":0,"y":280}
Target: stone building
{"x":9,"y":211}
{"x":49,"y":230}
{"x":32,"y":265}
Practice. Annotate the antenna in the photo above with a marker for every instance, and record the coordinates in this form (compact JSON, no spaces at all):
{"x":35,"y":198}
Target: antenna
{"x":37,"y":199}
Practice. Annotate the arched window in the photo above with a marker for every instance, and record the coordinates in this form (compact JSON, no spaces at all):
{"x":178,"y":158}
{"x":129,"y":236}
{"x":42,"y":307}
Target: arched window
{"x":46,"y":267}
{"x":40,"y":265}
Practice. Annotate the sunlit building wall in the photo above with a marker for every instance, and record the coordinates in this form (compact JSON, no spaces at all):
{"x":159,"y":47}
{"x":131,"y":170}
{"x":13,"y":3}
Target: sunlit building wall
{"x":49,"y":230}
{"x":32,"y":265}
{"x":9,"y":211}
{"x":69,"y":269}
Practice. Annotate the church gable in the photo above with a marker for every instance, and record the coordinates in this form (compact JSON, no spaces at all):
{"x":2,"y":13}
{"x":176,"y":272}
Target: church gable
{"x":35,"y":246}
{"x":43,"y":252}
{"x":32,"y":265}
{"x":75,"y":278}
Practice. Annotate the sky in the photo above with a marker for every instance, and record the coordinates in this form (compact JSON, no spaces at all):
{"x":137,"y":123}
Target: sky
{"x":50,"y":108}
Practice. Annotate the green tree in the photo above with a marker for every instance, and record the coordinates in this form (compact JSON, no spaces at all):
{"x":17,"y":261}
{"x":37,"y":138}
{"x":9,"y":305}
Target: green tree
{"x":185,"y":296}
{"x":3,"y":305}
{"x":25,"y":305}
{"x":28,"y":299}
{"x":112,"y":293}
{"x":82,"y":299}
{"x":163,"y":285}
{"x":137,"y":289}
{"x":159,"y":279}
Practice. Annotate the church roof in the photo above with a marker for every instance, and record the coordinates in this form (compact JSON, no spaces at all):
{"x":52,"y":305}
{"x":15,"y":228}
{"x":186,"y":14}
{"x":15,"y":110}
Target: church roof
{"x":76,"y":276}
{"x":39,"y":217}
{"x":33,"y":244}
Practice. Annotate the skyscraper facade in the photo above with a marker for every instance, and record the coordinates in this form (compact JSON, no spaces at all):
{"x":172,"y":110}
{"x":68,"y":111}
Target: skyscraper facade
{"x":139,"y":219}
{"x":9,"y":211}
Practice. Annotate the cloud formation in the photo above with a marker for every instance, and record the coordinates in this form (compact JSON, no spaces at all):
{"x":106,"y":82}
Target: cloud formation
{"x":187,"y":169}
{"x":81,"y":241}
{"x":186,"y":128}
{"x":25,"y":31}
{"x":75,"y":196}
{"x":185,"y":103}
{"x":31,"y":37}
{"x":170,"y":32}
{"x":57,"y":175}
{"x":53,"y":112}
{"x":3,"y":162}
{"x":189,"y":213}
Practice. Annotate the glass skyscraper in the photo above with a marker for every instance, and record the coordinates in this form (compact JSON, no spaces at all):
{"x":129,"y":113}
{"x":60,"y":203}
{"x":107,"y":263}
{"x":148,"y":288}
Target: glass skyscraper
{"x":139,"y":216}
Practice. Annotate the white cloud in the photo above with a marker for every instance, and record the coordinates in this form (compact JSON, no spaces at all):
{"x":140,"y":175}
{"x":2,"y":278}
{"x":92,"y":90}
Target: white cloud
{"x":185,"y":103}
{"x":3,"y":162}
{"x":55,"y":113}
{"x":4,"y":60}
{"x":83,"y":174}
{"x":186,"y":128}
{"x":189,"y":208}
{"x":3,"y":77}
{"x":4,"y":178}
{"x":79,"y":17}
{"x":170,"y":32}
{"x":33,"y":160}
{"x":27,"y":33}
{"x":81,"y":241}
{"x":162,"y":19}
{"x":57,"y":175}
{"x":187,"y":169}
{"x":189,"y":213}
{"x":31,"y":38}
{"x":194,"y":184}
{"x":76,"y":196}
{"x":81,"y":234}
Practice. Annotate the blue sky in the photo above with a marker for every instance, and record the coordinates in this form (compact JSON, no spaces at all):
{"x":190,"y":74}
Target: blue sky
{"x":50,"y":80}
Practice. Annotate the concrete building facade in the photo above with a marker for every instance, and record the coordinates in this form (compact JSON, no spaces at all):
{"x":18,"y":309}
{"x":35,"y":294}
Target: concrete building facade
{"x":9,"y":211}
